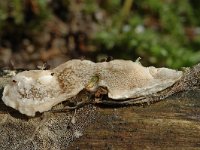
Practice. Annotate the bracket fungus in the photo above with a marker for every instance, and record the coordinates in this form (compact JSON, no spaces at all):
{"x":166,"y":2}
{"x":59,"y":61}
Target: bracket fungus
{"x":39,"y":90}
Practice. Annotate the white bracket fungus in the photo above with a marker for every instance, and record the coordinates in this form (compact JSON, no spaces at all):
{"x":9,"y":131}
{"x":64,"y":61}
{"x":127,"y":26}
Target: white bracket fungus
{"x":39,"y":90}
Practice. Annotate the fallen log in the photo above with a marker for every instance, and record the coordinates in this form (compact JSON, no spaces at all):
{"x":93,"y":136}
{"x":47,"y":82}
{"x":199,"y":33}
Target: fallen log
{"x":172,"y":123}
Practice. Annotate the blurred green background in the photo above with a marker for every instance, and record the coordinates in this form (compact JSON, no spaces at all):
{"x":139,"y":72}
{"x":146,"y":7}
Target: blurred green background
{"x":161,"y":32}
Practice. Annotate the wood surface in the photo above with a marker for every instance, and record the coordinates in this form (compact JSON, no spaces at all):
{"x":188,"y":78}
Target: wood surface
{"x":173,"y":123}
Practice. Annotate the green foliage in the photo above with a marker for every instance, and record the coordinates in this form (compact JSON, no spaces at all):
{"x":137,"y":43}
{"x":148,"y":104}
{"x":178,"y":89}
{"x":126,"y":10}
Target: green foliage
{"x":90,"y":6}
{"x":156,"y":31}
{"x":21,"y":20}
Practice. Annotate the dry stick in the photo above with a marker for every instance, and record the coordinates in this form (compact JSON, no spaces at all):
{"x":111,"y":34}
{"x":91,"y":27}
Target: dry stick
{"x":124,"y":13}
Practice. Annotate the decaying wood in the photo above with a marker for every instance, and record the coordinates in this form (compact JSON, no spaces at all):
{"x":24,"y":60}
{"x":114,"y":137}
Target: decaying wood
{"x":170,"y":124}
{"x":173,"y":123}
